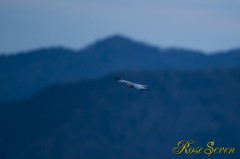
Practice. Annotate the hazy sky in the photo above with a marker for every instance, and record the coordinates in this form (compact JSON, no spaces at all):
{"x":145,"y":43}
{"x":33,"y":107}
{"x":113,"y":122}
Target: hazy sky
{"x":208,"y":25}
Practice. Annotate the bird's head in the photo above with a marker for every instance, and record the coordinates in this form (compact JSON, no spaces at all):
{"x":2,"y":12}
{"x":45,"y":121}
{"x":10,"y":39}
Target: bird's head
{"x":116,"y":78}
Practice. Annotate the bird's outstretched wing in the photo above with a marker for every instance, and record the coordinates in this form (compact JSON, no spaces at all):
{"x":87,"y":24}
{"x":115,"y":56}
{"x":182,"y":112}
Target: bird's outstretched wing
{"x":128,"y":83}
{"x":131,"y":84}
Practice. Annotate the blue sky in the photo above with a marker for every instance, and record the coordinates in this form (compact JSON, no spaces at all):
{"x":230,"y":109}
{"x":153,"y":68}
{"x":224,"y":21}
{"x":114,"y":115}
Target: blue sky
{"x":208,"y":25}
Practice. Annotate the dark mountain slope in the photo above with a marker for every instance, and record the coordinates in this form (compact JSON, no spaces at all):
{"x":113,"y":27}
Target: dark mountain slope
{"x":103,"y":119}
{"x":24,"y":74}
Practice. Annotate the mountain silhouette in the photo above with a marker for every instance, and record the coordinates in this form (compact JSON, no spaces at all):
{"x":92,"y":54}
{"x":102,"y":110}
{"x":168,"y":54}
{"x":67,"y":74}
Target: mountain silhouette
{"x":100,"y":118}
{"x":25,"y":74}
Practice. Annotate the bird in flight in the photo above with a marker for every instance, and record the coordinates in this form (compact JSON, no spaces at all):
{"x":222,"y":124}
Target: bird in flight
{"x":131,"y":84}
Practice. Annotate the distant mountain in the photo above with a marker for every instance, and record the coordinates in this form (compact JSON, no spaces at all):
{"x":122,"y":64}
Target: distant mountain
{"x":25,"y":74}
{"x":104,"y":119}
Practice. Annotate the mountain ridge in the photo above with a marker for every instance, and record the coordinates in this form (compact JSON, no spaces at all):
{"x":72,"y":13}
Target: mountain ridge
{"x":23,"y":75}
{"x":119,"y":37}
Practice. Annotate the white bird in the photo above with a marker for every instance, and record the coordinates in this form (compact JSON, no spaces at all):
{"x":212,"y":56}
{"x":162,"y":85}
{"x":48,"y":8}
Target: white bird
{"x":131,"y":84}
